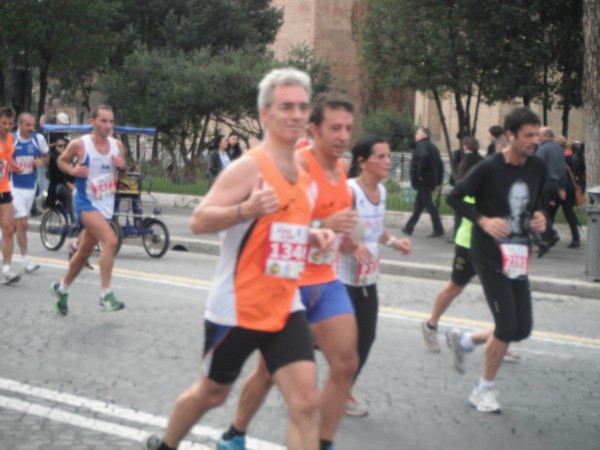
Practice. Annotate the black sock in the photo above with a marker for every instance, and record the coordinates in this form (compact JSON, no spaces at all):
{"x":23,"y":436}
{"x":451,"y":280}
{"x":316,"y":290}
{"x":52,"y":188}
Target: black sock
{"x":431,"y":327}
{"x":325,"y":444}
{"x":232,"y":432}
{"x":164,"y":446}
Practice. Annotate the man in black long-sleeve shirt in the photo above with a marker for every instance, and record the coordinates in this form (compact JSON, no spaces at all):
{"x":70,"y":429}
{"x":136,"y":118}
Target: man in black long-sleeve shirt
{"x":507,"y":187}
{"x":426,"y":175}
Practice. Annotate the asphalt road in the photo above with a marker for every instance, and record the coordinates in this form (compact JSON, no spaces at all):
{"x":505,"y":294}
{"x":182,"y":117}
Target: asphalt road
{"x":95,"y":380}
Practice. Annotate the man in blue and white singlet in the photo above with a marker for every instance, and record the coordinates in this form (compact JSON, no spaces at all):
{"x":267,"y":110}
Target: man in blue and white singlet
{"x":100,"y":161}
{"x":31,"y":153}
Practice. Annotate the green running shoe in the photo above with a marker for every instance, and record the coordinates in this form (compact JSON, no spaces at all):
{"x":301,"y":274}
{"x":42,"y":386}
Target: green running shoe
{"x":60,"y":304}
{"x":110,"y":303}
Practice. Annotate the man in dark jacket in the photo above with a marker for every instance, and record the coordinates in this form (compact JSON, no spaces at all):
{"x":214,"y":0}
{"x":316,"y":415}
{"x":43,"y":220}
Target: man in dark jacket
{"x":426,"y":175}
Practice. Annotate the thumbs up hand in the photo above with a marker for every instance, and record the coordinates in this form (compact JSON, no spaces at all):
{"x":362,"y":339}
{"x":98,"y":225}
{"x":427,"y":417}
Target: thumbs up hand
{"x":262,"y":201}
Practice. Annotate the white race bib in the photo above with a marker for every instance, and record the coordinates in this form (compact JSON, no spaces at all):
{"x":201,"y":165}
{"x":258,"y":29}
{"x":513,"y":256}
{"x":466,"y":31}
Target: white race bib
{"x":330,"y":257}
{"x":367,"y":274}
{"x":515,"y":260}
{"x":104,"y":185}
{"x":26,"y":164}
{"x":3,"y":167}
{"x":286,"y":250}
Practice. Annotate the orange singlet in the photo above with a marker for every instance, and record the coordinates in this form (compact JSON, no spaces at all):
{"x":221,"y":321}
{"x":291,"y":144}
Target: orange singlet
{"x":330,"y":198}
{"x":261,"y":260}
{"x":6,"y":153}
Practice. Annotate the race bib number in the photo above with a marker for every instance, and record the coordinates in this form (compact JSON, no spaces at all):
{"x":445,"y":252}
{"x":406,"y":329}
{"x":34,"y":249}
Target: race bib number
{"x":286,"y":250}
{"x":367,"y":274}
{"x":330,"y":257}
{"x":104,"y":185}
{"x":26,"y":164}
{"x":515,"y":260}
{"x":3,"y":168}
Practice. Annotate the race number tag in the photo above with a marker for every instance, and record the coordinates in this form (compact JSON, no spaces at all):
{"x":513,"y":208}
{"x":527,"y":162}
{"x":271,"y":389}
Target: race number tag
{"x":104,"y":185}
{"x":286,"y":250}
{"x":26,"y":164}
{"x":515,"y":260}
{"x":3,"y":168}
{"x":330,"y":257}
{"x":367,"y":274}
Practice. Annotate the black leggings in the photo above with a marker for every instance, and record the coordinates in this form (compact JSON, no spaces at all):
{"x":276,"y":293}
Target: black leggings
{"x":366,"y":305}
{"x":510,"y":303}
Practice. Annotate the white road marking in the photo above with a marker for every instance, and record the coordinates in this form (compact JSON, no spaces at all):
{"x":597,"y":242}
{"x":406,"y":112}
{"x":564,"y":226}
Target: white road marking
{"x":107,"y":409}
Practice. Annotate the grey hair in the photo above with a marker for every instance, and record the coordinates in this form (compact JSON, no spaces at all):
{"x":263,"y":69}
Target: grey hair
{"x":277,"y":77}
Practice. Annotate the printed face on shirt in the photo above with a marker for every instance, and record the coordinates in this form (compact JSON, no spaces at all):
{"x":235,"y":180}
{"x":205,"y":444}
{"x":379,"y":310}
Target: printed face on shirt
{"x":26,"y":126}
{"x":287,"y":116}
{"x":379,"y":162}
{"x":526,"y":140}
{"x":333,"y":134}
{"x":6,"y":124}
{"x":103,"y":123}
{"x":518,"y":198}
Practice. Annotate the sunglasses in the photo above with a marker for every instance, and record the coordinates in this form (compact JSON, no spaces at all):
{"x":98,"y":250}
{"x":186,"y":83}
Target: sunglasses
{"x":60,"y":145}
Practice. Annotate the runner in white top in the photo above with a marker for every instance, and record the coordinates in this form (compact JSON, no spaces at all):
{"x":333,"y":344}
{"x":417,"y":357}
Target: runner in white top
{"x":99,"y":157}
{"x":359,"y":271}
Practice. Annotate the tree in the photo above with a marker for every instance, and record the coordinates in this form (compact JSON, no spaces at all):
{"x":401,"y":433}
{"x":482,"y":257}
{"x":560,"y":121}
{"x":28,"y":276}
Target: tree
{"x":591,"y":90}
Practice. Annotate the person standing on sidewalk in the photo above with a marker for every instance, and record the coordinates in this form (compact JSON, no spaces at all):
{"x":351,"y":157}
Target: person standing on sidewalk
{"x":426,"y":176}
{"x":7,"y":221}
{"x":99,"y":158}
{"x":262,"y":203}
{"x":31,"y":153}
{"x":507,"y":188}
{"x":328,"y":307}
{"x":359,"y":270}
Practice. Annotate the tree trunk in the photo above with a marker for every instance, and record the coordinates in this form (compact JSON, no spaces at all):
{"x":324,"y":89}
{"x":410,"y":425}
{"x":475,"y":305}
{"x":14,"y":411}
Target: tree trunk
{"x":43,"y":88}
{"x":591,"y":89}
{"x":438,"y":103}
{"x":565,"y":119}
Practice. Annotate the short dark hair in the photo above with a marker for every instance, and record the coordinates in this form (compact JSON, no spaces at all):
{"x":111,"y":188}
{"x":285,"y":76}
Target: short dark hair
{"x":426,"y":131}
{"x":471,"y":143}
{"x":328,"y":100}
{"x":7,"y":111}
{"x":519,"y":117}
{"x":496,"y":131}
{"x":94,"y":113}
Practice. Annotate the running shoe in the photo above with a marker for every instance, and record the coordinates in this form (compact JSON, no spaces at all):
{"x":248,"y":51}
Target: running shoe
{"x":10,"y":277}
{"x":152,"y":442}
{"x":511,"y":357}
{"x":110,"y":303}
{"x":453,"y":336}
{"x":31,"y":267}
{"x":355,"y":408}
{"x":430,"y":337}
{"x":60,"y":304}
{"x":235,"y":443}
{"x":485,"y":400}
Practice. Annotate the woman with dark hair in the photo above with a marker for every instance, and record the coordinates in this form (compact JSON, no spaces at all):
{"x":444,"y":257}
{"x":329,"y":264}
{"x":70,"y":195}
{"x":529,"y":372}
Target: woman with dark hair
{"x":218,"y":159}
{"x":359,"y":271}
{"x":233,"y":145}
{"x":60,"y":185}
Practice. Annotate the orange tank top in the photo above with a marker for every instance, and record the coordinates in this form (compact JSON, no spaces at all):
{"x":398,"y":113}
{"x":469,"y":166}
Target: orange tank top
{"x":272,"y":255}
{"x":330,"y":198}
{"x":6,"y":153}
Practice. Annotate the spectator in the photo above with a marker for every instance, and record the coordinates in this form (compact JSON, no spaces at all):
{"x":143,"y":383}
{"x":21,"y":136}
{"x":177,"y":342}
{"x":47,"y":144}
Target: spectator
{"x":218,"y":159}
{"x":495,"y":132}
{"x":61,"y":185}
{"x":233,"y":146}
{"x":426,"y":175}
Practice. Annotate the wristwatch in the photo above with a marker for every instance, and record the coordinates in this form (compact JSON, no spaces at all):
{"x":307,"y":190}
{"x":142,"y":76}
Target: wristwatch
{"x":316,"y":223}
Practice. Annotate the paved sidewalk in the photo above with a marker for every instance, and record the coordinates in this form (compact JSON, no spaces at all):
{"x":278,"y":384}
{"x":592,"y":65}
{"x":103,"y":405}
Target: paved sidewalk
{"x":560,"y":271}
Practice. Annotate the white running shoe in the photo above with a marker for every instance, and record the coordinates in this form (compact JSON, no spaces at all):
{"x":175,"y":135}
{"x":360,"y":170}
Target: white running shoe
{"x":485,"y":400}
{"x":430,"y":337}
{"x":31,"y":267}
{"x":453,"y":336}
{"x":10,"y":277}
{"x":355,"y":408}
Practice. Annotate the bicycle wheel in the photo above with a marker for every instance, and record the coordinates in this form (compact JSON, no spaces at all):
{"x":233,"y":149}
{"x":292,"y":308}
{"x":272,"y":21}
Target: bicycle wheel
{"x":53,"y":229}
{"x":155,"y":237}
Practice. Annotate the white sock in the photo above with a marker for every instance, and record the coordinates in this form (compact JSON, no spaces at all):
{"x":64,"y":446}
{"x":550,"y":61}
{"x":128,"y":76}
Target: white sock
{"x":485,"y":384}
{"x":25,"y":260}
{"x":466,"y":342}
{"x":5,"y":269}
{"x":63,"y":287}
{"x":103,"y":292}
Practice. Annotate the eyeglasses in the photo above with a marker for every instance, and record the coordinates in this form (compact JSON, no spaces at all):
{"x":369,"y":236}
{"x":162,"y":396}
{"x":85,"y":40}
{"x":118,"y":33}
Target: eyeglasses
{"x":60,"y":145}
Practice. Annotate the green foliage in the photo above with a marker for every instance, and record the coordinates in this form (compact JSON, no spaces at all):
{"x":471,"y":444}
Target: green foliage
{"x":320,"y":69}
{"x":395,"y":126}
